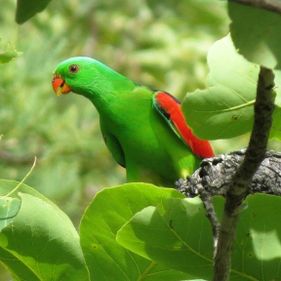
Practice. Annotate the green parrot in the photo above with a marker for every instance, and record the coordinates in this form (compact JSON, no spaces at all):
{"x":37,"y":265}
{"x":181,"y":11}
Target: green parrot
{"x":145,"y":130}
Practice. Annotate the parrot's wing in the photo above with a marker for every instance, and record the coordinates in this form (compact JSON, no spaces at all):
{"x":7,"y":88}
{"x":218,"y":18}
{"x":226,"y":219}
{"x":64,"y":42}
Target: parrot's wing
{"x":114,"y":147}
{"x":170,"y":109}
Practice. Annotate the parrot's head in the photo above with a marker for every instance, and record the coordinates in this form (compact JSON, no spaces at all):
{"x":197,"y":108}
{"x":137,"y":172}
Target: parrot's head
{"x":75,"y":74}
{"x":87,"y":77}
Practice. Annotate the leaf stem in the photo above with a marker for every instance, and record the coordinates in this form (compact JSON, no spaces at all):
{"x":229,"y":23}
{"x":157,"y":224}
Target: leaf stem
{"x":23,"y":180}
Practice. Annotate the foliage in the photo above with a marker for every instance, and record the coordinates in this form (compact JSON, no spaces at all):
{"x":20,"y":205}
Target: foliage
{"x":7,"y":52}
{"x":177,"y":234}
{"x":106,"y":214}
{"x":28,"y":8}
{"x":165,"y":233}
{"x":134,"y":231}
{"x":256,"y":34}
{"x":38,"y":241}
{"x":168,"y":237}
{"x":225,"y":108}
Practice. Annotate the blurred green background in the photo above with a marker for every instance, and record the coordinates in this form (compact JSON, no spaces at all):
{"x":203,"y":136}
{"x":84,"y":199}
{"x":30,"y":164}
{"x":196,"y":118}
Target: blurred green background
{"x":162,"y":44}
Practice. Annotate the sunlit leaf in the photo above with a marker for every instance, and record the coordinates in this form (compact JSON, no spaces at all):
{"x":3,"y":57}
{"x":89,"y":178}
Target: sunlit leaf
{"x":226,"y":108}
{"x":110,"y":209}
{"x":178,"y":235}
{"x":257,"y":249}
{"x":41,"y":241}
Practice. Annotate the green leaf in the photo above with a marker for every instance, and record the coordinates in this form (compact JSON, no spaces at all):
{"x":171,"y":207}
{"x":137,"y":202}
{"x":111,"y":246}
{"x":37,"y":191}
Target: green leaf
{"x":18,"y":269}
{"x":256,"y":34}
{"x":9,"y":207}
{"x":41,"y":242}
{"x":257,"y":250}
{"x":178,"y":235}
{"x":225,"y":108}
{"x":28,"y":8}
{"x":110,"y":209}
{"x":7,"y":52}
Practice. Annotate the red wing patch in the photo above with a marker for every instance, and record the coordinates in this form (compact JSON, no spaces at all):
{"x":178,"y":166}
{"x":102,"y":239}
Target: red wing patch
{"x":169,"y":107}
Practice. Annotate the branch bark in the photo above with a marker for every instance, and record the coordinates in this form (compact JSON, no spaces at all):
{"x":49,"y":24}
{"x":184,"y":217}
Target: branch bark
{"x":215,"y":175}
{"x":270,"y":5}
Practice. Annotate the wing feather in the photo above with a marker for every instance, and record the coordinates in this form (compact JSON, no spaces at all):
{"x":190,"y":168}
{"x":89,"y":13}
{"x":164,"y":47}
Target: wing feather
{"x":170,"y":109}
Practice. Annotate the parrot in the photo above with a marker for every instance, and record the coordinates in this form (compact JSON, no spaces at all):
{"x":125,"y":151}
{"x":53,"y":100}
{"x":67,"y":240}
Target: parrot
{"x":144,"y":129}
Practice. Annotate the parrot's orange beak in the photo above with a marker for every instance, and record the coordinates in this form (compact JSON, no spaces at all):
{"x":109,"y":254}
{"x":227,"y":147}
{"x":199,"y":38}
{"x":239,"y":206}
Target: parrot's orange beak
{"x":59,"y":85}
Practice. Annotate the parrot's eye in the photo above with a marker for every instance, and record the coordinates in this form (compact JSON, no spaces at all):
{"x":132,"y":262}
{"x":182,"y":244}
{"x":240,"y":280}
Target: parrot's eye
{"x":73,"y":68}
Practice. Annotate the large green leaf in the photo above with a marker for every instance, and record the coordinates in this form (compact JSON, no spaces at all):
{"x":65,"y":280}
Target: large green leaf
{"x":110,"y":209}
{"x":226,"y":108}
{"x":256,"y":34}
{"x":41,"y":243}
{"x":178,"y":235}
{"x":28,"y":8}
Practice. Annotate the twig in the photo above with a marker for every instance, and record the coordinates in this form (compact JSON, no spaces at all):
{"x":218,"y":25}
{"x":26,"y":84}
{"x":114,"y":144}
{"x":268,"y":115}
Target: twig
{"x":238,"y":190}
{"x":15,"y":159}
{"x":212,"y":217}
{"x":270,"y":5}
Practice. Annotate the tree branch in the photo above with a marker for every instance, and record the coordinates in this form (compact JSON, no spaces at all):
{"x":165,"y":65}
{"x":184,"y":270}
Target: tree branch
{"x":270,"y":5}
{"x":215,"y":175}
{"x":238,"y":190}
{"x":244,"y":166}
